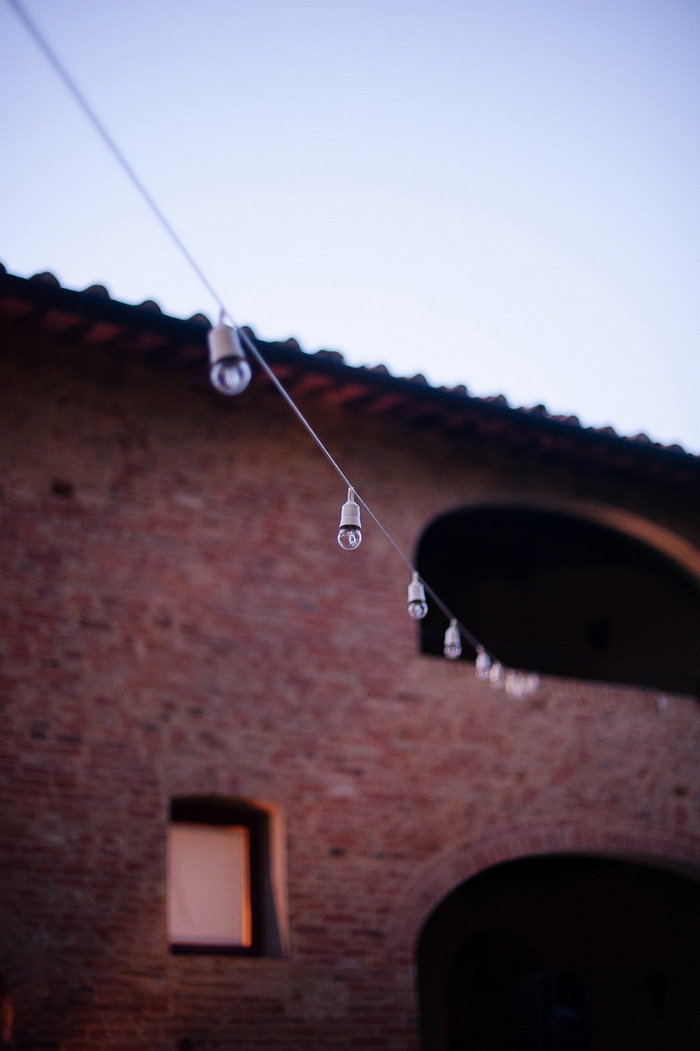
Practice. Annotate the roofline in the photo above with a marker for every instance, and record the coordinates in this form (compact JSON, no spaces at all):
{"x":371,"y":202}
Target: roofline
{"x":95,"y":304}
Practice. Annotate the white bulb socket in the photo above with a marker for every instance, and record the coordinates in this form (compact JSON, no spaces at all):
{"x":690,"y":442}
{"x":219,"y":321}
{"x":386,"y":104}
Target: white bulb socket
{"x":453,"y":642}
{"x":350,"y":531}
{"x":229,"y":372}
{"x":417,"y":606}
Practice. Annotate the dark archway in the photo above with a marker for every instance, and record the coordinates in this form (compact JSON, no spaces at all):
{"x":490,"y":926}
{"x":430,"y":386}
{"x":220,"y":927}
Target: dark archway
{"x":563,"y":953}
{"x":559,"y":594}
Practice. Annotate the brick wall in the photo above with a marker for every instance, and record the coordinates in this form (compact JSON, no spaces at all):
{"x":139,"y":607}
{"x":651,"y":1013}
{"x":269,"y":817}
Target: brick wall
{"x":178,"y":619}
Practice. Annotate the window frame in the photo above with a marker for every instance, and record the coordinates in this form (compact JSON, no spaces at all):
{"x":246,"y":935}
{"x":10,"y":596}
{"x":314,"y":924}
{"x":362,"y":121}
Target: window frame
{"x":216,"y":812}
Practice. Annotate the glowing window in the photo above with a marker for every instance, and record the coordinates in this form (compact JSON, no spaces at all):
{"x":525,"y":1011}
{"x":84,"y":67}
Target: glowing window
{"x":209,"y":888}
{"x":225,"y":878}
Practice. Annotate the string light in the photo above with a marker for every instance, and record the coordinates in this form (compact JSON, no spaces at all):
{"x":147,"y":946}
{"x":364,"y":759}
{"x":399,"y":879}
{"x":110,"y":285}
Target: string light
{"x":513,"y":683}
{"x":520,"y":683}
{"x":350,"y":531}
{"x":453,"y":642}
{"x":532,"y":682}
{"x":483,"y":663}
{"x":230,"y":374}
{"x":497,"y":675}
{"x":417,"y":606}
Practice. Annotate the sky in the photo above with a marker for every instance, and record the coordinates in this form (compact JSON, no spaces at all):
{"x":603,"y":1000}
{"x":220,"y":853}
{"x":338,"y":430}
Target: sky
{"x":500,"y":193}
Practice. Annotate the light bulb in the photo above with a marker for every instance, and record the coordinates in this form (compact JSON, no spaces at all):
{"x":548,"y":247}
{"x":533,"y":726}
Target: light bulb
{"x":230,"y":375}
{"x":497,"y":675}
{"x":453,"y":642}
{"x":521,"y":683}
{"x":349,"y":538}
{"x":417,"y":606}
{"x":350,"y":532}
{"x":230,"y":372}
{"x":483,"y":664}
{"x":514,"y":683}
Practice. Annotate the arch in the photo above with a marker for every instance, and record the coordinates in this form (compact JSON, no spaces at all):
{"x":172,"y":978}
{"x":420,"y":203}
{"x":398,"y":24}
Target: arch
{"x":434,"y":880}
{"x":666,"y":541}
{"x":575,"y":589}
{"x":542,"y":951}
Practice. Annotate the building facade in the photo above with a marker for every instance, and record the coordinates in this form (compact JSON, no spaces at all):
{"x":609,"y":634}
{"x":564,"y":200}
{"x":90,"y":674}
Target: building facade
{"x":192,"y":667}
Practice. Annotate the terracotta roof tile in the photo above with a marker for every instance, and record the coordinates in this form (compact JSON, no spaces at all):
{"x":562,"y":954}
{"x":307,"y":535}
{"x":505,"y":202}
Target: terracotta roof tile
{"x":46,"y":278}
{"x":570,"y":421}
{"x":609,"y":431}
{"x":328,"y":355}
{"x":98,"y":290}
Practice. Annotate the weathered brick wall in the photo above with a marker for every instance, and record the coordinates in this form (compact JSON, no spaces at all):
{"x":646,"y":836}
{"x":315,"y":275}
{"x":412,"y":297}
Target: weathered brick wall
{"x":177,"y":618}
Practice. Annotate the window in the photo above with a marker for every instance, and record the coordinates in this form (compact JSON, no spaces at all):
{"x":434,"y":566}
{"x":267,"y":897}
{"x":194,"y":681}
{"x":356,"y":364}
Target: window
{"x":209,"y":900}
{"x":221,"y":885}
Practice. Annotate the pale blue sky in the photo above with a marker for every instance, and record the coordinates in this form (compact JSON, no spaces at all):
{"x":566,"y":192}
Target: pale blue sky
{"x":492,"y":192}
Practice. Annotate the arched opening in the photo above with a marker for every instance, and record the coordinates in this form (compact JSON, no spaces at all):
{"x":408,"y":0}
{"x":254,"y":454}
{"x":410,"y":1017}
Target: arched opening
{"x":555,"y":593}
{"x":563,"y":953}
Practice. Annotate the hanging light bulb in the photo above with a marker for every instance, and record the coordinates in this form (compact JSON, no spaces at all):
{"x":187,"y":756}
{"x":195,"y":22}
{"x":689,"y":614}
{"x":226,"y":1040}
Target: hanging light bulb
{"x":497,"y":675}
{"x":532,"y":682}
{"x":514,"y":683}
{"x":453,"y":642}
{"x":350,"y":532}
{"x":230,"y":372}
{"x":417,"y":606}
{"x":520,"y":683}
{"x":483,"y":663}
